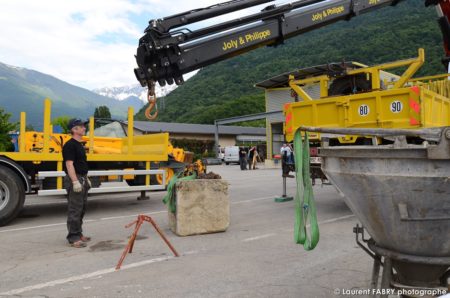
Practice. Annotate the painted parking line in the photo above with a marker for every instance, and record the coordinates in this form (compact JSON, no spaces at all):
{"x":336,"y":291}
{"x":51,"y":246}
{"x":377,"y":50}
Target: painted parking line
{"x":132,"y":215}
{"x":255,"y":199}
{"x":258,"y":237}
{"x":85,"y":221}
{"x":327,"y":221}
{"x":117,"y":217}
{"x":60,"y":202}
{"x":87,"y":275}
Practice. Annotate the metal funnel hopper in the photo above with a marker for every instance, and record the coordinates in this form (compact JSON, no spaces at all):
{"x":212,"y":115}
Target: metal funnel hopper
{"x":401,"y":195}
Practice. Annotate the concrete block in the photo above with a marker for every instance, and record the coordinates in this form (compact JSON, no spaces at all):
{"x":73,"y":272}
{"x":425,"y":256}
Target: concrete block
{"x":202,"y":207}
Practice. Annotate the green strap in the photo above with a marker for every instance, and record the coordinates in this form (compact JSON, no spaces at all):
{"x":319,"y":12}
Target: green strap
{"x":305,"y":206}
{"x":169,"y":198}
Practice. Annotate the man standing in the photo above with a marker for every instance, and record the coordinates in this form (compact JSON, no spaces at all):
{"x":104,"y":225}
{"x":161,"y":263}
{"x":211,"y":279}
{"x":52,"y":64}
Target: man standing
{"x":76,"y":183}
{"x":286,"y":153}
{"x":251,"y":161}
{"x":242,"y":158}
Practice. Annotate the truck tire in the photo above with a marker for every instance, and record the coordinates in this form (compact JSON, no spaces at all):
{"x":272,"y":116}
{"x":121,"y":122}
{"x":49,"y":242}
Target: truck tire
{"x":349,"y":85}
{"x":12,"y":195}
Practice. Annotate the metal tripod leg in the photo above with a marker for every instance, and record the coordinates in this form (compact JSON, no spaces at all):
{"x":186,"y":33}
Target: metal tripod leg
{"x":163,"y":237}
{"x":134,"y":235}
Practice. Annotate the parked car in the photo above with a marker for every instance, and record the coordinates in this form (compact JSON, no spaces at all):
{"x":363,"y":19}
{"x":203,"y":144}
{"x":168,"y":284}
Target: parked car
{"x":231,"y":154}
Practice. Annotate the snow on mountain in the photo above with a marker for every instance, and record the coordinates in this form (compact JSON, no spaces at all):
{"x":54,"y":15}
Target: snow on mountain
{"x":125,"y":92}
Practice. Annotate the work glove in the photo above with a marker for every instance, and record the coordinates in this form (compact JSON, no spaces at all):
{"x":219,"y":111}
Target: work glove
{"x":89,"y":182}
{"x":77,"y":187}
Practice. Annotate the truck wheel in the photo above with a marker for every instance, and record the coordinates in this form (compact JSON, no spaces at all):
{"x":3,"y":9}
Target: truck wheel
{"x":227,"y":163}
{"x":350,"y":85}
{"x":12,"y":195}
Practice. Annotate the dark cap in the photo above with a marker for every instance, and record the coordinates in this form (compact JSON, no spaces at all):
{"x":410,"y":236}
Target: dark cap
{"x":75,"y":122}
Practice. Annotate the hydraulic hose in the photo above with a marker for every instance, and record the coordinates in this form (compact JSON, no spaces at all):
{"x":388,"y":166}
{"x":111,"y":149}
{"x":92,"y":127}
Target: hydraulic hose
{"x":170,"y":198}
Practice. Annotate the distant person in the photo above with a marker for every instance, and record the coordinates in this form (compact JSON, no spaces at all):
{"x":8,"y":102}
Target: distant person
{"x":242,"y":158}
{"x":256,"y":157}
{"x":286,"y":153}
{"x":76,"y":183}
{"x":251,"y":158}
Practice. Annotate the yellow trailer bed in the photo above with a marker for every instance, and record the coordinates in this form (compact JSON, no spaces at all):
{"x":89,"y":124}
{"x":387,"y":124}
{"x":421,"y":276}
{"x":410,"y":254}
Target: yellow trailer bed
{"x":404,"y":103}
{"x":409,"y":107}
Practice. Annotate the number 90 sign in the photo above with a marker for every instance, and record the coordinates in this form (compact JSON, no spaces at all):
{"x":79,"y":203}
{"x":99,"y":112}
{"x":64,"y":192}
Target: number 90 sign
{"x":396,"y":106}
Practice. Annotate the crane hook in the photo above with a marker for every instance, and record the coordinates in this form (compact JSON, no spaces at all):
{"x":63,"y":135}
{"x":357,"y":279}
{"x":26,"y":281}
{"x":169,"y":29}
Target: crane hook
{"x":151,"y":98}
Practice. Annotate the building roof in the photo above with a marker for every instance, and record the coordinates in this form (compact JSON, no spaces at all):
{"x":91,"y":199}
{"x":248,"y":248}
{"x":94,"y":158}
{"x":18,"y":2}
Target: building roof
{"x":282,"y":80}
{"x":187,"y":128}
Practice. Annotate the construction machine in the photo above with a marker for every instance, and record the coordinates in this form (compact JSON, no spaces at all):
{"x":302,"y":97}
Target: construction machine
{"x":179,"y":161}
{"x":395,"y":181}
{"x":140,"y":163}
{"x":168,"y":50}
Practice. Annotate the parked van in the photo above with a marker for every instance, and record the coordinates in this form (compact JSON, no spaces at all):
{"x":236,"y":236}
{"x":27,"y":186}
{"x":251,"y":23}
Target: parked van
{"x":231,"y":154}
{"x":222,"y":154}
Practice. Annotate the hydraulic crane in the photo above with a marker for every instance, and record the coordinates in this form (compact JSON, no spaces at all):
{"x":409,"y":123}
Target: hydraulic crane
{"x":168,"y":49}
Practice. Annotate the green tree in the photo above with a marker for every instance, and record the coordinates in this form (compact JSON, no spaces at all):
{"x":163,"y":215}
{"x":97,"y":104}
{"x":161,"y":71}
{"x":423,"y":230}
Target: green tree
{"x":29,"y":127}
{"x":5,"y":128}
{"x":63,"y":122}
{"x":102,"y":112}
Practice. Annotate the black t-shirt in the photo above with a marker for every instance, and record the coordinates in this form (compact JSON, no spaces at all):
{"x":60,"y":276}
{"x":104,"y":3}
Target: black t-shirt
{"x":74,"y":150}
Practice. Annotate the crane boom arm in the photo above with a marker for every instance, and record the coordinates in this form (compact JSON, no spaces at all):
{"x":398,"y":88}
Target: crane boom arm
{"x":165,"y":53}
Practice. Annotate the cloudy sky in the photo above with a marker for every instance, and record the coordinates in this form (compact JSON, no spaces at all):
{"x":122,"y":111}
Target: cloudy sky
{"x":89,"y":43}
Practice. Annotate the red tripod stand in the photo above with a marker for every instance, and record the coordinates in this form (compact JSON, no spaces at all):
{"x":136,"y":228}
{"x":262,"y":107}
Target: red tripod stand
{"x":140,"y":220}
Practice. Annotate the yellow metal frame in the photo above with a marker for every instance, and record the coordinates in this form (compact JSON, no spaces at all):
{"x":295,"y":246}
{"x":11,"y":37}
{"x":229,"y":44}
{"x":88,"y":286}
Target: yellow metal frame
{"x":155,"y":154}
{"x":420,"y":107}
{"x":323,"y":81}
{"x":413,"y":64}
{"x":145,"y":148}
{"x":430,"y":78}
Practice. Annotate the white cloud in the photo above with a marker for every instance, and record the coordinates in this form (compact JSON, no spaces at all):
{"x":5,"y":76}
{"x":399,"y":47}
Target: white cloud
{"x":90,"y":43}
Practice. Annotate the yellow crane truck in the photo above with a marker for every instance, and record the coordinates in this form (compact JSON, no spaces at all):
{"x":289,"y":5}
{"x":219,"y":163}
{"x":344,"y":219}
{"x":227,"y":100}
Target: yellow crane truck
{"x":142,"y":162}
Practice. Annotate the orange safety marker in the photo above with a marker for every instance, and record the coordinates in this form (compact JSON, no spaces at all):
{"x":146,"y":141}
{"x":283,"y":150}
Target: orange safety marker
{"x":140,"y":220}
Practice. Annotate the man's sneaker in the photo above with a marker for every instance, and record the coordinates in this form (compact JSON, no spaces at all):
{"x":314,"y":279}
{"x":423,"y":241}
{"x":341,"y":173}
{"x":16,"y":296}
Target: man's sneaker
{"x":78,"y":244}
{"x":85,"y":238}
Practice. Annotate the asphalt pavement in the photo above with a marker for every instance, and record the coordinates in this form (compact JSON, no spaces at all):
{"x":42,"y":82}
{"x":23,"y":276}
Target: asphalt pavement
{"x":255,"y":257}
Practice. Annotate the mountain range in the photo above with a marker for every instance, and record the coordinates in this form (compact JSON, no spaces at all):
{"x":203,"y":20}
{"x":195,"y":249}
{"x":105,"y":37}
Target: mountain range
{"x":134,"y":92}
{"x":25,"y":90}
